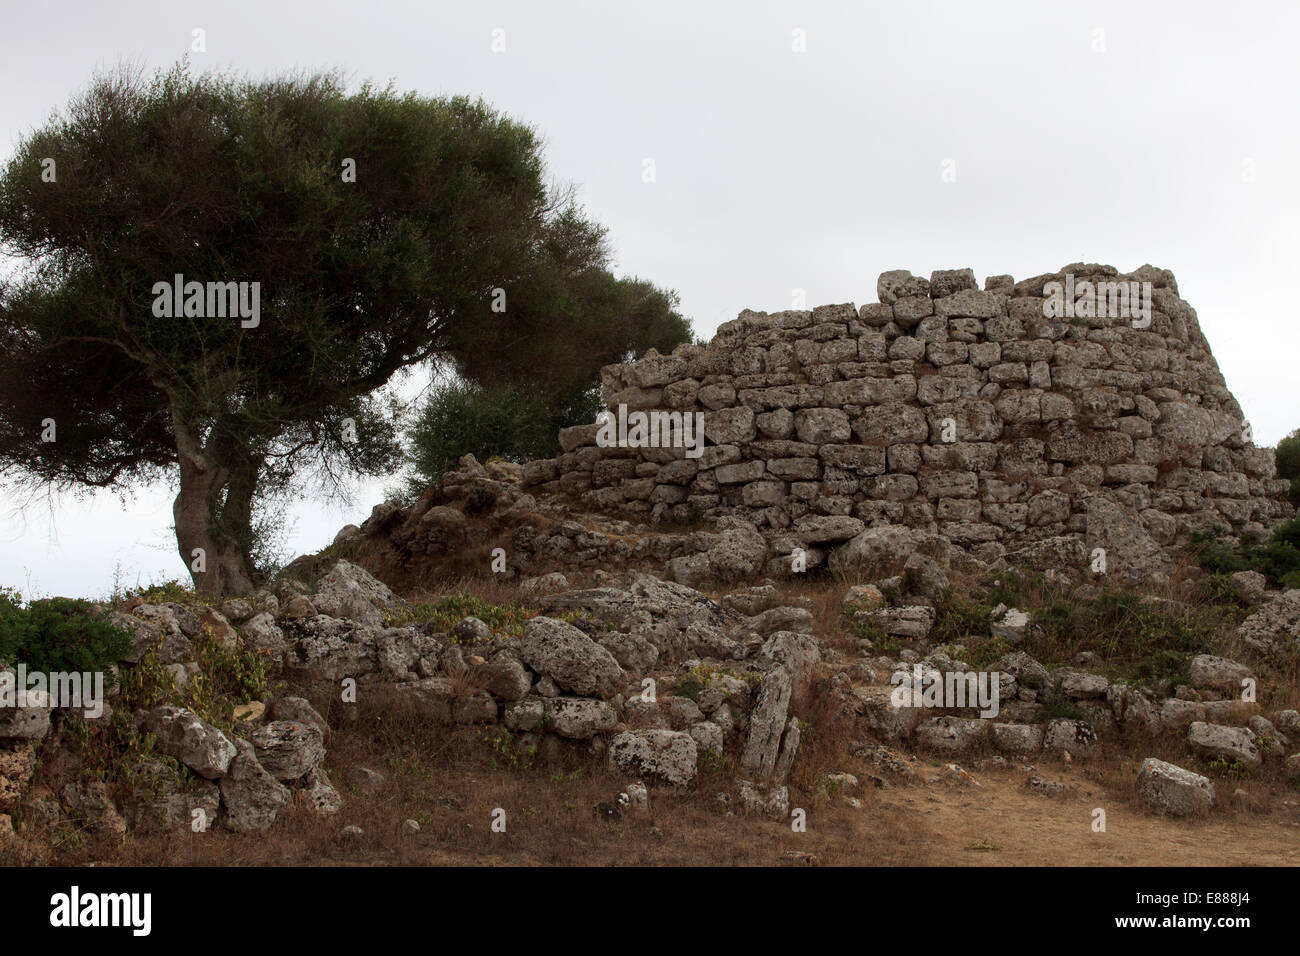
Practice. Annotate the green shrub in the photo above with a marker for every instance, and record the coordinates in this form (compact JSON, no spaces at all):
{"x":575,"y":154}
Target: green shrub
{"x":1278,"y":559}
{"x":688,"y":687}
{"x":465,"y":419}
{"x":1288,"y":463}
{"x":225,"y":679}
{"x":58,"y":634}
{"x":1057,"y":706}
{"x":960,"y":619}
{"x":1143,"y":639}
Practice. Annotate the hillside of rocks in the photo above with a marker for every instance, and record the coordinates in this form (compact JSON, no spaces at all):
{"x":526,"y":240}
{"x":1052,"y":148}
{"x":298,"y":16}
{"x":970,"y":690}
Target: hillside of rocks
{"x":639,"y":612}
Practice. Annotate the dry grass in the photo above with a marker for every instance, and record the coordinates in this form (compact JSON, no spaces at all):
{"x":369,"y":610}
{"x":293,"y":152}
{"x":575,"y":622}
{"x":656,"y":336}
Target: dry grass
{"x":453,"y":781}
{"x":445,"y":778}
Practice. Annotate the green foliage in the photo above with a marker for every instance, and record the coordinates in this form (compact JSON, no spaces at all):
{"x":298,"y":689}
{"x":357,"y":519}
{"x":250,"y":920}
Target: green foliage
{"x":566,"y":319}
{"x":224,"y":680}
{"x":1149,"y":638}
{"x":1226,"y":767}
{"x":868,"y":630}
{"x":1278,"y":558}
{"x":59,"y":634}
{"x":1288,"y":463}
{"x":711,"y":761}
{"x":146,"y":771}
{"x":982,"y":652}
{"x":689,"y":687}
{"x":1057,"y":706}
{"x":959,"y":619}
{"x":164,"y":592}
{"x":451,"y":609}
{"x":1141,"y":638}
{"x":508,"y":753}
{"x":465,"y":419}
{"x":146,"y":685}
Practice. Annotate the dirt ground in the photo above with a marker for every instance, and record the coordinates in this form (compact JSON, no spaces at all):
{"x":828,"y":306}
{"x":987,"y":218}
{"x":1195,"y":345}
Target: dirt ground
{"x":932,"y":818}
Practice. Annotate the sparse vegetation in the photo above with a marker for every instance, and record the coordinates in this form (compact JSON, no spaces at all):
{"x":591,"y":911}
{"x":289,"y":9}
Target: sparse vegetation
{"x":448,"y":611}
{"x":1139,"y":637}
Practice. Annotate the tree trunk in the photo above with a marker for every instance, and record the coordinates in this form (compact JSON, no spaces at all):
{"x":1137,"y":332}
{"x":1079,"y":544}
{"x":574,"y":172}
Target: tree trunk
{"x":213,"y":510}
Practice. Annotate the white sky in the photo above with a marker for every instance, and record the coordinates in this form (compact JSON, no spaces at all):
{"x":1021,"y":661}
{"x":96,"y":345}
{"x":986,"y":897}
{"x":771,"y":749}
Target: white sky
{"x":778,"y":170}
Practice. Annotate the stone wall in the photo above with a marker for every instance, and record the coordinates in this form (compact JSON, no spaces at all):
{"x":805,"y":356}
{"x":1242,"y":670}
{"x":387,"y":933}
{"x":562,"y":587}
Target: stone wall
{"x":964,"y":413}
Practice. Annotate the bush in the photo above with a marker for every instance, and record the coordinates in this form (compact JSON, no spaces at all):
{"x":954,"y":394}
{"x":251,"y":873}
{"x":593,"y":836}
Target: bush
{"x":224,"y":680}
{"x":58,"y":635}
{"x":1141,"y":638}
{"x":1278,"y":559}
{"x":464,"y":419}
{"x":1288,"y":463}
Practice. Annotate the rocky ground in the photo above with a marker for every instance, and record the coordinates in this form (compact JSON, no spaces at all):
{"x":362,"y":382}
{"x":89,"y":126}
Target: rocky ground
{"x":407,"y":696}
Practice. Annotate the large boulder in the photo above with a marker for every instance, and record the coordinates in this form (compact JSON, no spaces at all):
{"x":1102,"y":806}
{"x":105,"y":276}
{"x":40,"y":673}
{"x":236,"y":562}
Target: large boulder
{"x":288,"y":749}
{"x":1274,"y":629}
{"x":1216,"y":742}
{"x":923,"y":577}
{"x":1118,"y":531}
{"x":28,"y":722}
{"x":154,"y":628}
{"x":330,"y":649}
{"x":1064,"y":735}
{"x":318,"y":794}
{"x":884,"y":548}
{"x":666,"y":755}
{"x":881,"y":716}
{"x":1217,"y":673}
{"x":578,"y":718}
{"x":252,"y":797}
{"x":299,"y":710}
{"x":1017,"y":738}
{"x":951,"y":735}
{"x":569,"y":657}
{"x":193,"y":741}
{"x":17,"y":766}
{"x":767,"y":723}
{"x":794,"y":651}
{"x":505,"y":675}
{"x":1171,"y":789}
{"x":90,"y":803}
{"x":348,"y":591}
{"x":261,"y":633}
{"x":739,"y":552}
{"x":162,"y":803}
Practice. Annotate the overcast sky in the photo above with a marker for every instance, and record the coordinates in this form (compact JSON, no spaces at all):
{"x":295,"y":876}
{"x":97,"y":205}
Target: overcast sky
{"x":797,"y":146}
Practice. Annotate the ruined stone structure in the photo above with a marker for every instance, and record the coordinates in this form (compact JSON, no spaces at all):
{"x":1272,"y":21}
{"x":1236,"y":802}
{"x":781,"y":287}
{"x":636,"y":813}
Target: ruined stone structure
{"x":977,"y":416}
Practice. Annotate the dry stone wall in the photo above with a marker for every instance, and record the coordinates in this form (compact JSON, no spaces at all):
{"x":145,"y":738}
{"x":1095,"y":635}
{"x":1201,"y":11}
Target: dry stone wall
{"x":976,"y":415}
